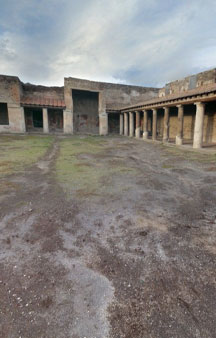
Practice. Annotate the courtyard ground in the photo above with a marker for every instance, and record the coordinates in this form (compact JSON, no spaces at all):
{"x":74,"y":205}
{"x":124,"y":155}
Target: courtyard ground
{"x":106,"y":237}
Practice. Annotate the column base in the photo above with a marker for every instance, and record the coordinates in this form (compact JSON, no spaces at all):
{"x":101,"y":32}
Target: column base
{"x":145,"y":135}
{"x":165,"y":140}
{"x":179,"y":141}
{"x":137,"y":133}
{"x":197,"y":146}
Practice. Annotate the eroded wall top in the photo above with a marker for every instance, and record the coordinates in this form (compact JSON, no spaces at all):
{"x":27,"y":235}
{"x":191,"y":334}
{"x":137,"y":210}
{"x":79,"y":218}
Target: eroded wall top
{"x":10,"y":89}
{"x":116,"y":95}
{"x":189,"y":82}
{"x":43,"y":91}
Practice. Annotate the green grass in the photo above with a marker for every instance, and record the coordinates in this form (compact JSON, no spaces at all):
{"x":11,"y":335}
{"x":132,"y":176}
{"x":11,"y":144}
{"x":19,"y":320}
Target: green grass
{"x":19,"y":152}
{"x":84,"y":167}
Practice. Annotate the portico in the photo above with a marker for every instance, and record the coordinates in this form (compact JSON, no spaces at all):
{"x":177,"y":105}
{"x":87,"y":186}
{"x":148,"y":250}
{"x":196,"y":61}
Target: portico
{"x":194,"y":104}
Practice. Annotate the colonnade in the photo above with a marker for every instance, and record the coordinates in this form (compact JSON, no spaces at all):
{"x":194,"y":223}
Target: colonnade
{"x":128,"y":128}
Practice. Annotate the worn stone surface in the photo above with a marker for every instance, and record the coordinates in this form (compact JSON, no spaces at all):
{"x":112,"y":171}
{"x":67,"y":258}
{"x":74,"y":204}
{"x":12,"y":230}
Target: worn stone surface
{"x":189,"y":82}
{"x":131,"y":124}
{"x":198,"y":128}
{"x":68,"y":121}
{"x":121,"y":121}
{"x":45,"y":121}
{"x":10,"y":91}
{"x":126,"y":124}
{"x":154,"y":125}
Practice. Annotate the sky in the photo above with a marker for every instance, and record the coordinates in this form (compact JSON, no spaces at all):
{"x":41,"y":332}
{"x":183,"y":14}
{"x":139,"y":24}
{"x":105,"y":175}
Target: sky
{"x":139,"y":42}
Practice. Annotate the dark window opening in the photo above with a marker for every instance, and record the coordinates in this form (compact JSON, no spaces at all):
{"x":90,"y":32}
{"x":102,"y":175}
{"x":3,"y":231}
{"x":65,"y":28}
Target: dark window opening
{"x":4,"y":120}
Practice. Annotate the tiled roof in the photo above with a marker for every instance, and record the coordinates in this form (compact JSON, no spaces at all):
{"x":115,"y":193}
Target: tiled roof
{"x":188,"y":93}
{"x":42,"y":102}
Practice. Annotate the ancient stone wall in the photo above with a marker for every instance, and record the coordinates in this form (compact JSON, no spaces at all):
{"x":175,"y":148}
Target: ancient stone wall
{"x":116,"y":95}
{"x":10,"y":93}
{"x":30,"y":90}
{"x":189,"y":82}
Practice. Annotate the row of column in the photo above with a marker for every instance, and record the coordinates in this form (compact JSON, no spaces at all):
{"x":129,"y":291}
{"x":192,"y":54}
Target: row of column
{"x":127,"y":126}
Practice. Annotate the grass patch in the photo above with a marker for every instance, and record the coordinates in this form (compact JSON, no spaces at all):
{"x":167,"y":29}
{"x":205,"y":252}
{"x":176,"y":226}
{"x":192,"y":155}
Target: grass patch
{"x":167,"y":166}
{"x":18,"y":152}
{"x":83,"y":166}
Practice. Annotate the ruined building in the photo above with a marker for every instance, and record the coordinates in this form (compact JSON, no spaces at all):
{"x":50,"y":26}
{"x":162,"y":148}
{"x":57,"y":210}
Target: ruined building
{"x":183,"y":111}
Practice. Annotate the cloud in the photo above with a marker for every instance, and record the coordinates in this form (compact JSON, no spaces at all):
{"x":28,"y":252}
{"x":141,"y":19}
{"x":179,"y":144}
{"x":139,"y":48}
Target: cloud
{"x":144,"y":42}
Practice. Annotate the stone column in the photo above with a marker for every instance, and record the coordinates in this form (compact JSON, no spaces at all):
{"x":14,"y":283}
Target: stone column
{"x":166,"y":124}
{"x":22,"y":120}
{"x":198,"y":130}
{"x":179,"y":136}
{"x":121,"y":124}
{"x":103,"y":123}
{"x":45,"y":121}
{"x":125,"y":124}
{"x":131,"y":123}
{"x":68,"y":112}
{"x":137,"y":124}
{"x":103,"y":116}
{"x":154,"y":125}
{"x":145,"y":124}
{"x":68,"y":121}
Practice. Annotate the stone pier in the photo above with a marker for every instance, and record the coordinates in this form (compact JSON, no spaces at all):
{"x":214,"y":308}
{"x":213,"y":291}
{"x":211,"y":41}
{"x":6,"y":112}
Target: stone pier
{"x":121,"y":126}
{"x":137,"y":133}
{"x":145,"y":124}
{"x":45,"y":121}
{"x":166,"y":124}
{"x":68,"y":121}
{"x":131,"y":123}
{"x":198,"y":130}
{"x":154,"y":125}
{"x":179,"y":136}
{"x":125,"y":124}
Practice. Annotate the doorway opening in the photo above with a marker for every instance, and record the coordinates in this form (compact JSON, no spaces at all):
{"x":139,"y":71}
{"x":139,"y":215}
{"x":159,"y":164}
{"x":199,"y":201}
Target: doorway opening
{"x":85,"y":109}
{"x":33,"y":119}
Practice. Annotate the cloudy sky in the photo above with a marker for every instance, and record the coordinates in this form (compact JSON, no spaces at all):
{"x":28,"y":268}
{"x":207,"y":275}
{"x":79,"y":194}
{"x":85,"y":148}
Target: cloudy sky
{"x":143,"y":42}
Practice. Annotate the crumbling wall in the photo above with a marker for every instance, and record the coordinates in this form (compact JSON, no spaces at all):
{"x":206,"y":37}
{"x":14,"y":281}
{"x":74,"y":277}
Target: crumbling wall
{"x":10,"y":93}
{"x":116,"y":95}
{"x":189,"y":82}
{"x":30,"y":90}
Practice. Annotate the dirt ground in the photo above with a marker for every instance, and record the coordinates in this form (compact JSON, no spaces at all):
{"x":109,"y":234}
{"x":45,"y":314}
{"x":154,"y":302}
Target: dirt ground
{"x":106,"y":237}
